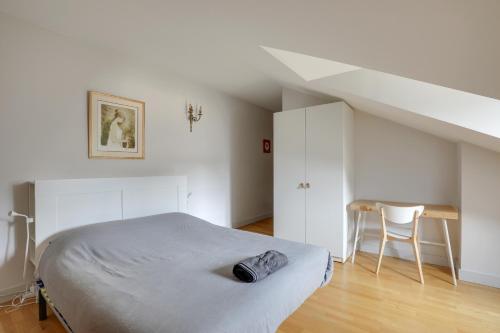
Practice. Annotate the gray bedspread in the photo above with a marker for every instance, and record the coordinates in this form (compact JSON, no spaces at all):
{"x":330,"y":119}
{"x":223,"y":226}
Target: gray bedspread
{"x":173,"y":273}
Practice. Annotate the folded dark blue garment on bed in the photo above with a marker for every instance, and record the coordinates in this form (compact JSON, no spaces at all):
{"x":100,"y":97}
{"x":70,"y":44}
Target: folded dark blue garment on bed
{"x":256,"y":268}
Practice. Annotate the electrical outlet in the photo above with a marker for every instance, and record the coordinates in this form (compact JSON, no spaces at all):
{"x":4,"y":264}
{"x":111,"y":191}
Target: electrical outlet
{"x":28,"y":294}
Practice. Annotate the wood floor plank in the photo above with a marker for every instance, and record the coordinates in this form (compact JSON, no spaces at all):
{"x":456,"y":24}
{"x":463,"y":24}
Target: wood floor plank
{"x":358,"y":301}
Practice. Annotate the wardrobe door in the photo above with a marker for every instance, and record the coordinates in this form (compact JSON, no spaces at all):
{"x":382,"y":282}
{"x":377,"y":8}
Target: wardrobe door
{"x":324,"y":177}
{"x":289,"y":174}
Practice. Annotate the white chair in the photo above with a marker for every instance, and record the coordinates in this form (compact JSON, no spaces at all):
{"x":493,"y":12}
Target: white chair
{"x":400,"y":216}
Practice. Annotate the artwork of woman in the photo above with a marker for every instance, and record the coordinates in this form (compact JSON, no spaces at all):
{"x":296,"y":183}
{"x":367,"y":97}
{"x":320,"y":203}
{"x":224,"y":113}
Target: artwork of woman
{"x":115,"y":138}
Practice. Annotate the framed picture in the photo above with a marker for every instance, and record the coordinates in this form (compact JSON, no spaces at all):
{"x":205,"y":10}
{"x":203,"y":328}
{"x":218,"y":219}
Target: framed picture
{"x":116,"y":127}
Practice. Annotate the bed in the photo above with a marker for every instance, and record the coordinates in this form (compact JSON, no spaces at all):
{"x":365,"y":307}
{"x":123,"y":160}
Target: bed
{"x":171,"y":272}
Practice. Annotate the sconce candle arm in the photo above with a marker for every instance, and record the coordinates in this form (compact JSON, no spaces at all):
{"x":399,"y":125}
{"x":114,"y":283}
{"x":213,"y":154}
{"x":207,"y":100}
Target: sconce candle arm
{"x":192,"y":117}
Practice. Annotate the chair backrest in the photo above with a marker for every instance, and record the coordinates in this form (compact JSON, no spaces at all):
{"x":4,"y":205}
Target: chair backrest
{"x":399,"y":215}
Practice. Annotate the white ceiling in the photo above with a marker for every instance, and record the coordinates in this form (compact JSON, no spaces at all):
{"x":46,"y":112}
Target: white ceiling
{"x":451,"y":43}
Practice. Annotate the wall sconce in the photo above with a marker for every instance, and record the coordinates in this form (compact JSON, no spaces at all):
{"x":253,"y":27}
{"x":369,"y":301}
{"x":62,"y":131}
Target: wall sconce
{"x":192,"y":117}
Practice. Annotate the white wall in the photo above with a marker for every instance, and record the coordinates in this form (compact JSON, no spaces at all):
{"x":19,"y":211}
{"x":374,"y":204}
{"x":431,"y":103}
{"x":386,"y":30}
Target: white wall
{"x":480,"y":193}
{"x":398,"y":163}
{"x":43,"y":132}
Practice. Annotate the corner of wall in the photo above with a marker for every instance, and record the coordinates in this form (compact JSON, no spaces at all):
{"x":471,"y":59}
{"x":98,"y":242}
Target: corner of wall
{"x":459,"y":201}
{"x":294,"y":99}
{"x":241,"y":223}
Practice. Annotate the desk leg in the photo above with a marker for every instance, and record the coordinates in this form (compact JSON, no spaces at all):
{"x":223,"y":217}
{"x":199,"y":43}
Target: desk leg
{"x":362,"y":229}
{"x":356,"y":236}
{"x":448,"y":250}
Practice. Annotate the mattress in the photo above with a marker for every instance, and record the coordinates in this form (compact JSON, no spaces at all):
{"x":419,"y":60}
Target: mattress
{"x":173,"y":273}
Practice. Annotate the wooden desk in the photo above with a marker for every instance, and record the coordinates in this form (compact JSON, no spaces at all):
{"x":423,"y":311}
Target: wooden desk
{"x":437,"y":212}
{"x":430,"y":211}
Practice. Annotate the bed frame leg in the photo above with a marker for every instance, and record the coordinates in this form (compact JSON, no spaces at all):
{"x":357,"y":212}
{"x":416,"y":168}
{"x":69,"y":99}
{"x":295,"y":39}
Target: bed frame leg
{"x":42,"y":307}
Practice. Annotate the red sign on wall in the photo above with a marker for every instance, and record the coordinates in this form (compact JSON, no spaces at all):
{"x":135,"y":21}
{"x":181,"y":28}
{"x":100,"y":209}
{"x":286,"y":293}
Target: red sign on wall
{"x":266,"y":146}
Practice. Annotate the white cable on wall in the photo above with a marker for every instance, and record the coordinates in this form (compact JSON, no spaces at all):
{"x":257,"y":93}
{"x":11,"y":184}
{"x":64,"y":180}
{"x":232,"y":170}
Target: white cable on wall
{"x":20,"y":298}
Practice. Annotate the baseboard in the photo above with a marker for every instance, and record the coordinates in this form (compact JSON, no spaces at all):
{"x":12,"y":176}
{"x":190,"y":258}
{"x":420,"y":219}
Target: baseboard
{"x":481,"y":278}
{"x":11,"y":292}
{"x":407,"y":254}
{"x":239,"y":224}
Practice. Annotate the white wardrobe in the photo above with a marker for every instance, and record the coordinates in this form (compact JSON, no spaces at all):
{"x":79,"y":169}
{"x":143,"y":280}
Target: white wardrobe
{"x":313,"y":176}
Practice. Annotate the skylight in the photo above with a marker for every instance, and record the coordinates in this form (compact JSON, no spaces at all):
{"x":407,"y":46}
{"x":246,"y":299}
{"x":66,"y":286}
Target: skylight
{"x":308,"y":67}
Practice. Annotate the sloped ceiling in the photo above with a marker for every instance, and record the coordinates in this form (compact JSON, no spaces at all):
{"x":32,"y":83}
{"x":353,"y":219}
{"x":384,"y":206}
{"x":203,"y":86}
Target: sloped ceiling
{"x":448,"y":43}
{"x":449,"y":113}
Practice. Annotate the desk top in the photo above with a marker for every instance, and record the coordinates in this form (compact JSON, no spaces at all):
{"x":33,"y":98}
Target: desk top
{"x":431,"y":211}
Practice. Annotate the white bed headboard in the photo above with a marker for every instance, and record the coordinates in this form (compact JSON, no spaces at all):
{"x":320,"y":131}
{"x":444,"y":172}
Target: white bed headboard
{"x":69,"y":203}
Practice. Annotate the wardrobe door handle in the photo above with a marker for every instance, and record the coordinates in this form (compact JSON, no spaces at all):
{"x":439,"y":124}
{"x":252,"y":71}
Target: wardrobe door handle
{"x":301,"y":185}
{"x":308,"y":185}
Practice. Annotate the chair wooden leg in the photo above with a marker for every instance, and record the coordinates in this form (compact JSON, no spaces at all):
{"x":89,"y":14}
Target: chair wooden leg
{"x":417,"y":259}
{"x":381,"y":253}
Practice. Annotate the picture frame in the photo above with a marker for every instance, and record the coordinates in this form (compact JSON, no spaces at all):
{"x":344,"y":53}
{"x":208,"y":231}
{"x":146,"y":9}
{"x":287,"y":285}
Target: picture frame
{"x":116,"y":127}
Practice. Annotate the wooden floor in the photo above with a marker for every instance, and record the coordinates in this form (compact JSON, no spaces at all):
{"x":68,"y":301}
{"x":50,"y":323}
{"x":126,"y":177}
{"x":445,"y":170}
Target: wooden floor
{"x":358,"y":301}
